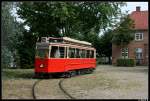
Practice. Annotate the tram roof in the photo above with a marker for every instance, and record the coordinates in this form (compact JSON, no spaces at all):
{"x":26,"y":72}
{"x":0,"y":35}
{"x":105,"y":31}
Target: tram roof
{"x":64,"y":45}
{"x":76,"y":41}
{"x":65,"y":39}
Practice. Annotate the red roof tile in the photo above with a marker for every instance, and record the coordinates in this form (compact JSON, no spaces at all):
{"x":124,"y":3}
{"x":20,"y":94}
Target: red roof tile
{"x":140,"y":19}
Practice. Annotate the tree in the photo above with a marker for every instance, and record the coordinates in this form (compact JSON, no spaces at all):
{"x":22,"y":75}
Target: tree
{"x":106,"y":44}
{"x":11,"y":31}
{"x":7,"y":21}
{"x":123,"y":35}
{"x":26,"y":50}
{"x":79,"y":20}
{"x":49,"y":18}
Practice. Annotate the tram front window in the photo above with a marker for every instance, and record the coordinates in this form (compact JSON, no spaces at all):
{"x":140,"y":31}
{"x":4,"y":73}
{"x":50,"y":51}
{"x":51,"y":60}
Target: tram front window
{"x":42,"y":53}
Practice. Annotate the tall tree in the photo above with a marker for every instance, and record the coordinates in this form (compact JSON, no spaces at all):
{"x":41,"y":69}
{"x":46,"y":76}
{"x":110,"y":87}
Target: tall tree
{"x":26,"y":50}
{"x":11,"y":30}
{"x":123,"y":35}
{"x":79,"y":20}
{"x":73,"y":19}
{"x":7,"y":21}
{"x":48,"y":18}
{"x":106,"y":44}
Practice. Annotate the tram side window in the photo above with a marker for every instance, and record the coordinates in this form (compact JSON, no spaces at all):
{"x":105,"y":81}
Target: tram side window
{"x":77,"y":53}
{"x":62,"y":51}
{"x":88,"y":54}
{"x":55,"y":52}
{"x":92,"y":54}
{"x":66,"y":52}
{"x":71,"y":52}
{"x":80,"y":53}
{"x":83,"y":53}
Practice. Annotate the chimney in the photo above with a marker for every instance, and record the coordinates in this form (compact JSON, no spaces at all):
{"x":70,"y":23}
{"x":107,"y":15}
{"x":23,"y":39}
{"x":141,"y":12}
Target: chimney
{"x":138,"y":8}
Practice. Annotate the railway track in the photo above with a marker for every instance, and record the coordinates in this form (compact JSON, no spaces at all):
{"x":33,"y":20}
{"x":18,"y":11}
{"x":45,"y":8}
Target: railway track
{"x":64,"y":91}
{"x":60,"y":87}
{"x":60,"y":84}
{"x":33,"y":88}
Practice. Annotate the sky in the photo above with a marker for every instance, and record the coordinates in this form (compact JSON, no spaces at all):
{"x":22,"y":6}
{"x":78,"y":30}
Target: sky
{"x":131,"y":6}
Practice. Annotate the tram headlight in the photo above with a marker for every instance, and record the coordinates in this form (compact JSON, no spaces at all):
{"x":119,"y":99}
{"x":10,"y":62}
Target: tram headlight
{"x":41,"y":65}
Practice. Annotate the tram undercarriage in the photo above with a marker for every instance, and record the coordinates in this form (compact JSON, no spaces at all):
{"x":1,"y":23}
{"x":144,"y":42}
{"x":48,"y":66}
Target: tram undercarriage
{"x":67,"y":74}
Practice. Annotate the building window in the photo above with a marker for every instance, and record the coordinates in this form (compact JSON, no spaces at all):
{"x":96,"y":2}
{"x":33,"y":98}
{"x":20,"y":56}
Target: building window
{"x":124,"y":52}
{"x":138,"y":53}
{"x":138,"y":36}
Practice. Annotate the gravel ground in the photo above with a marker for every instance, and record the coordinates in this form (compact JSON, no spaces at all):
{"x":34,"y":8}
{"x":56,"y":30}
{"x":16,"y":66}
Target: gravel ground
{"x":17,"y":89}
{"x":49,"y":89}
{"x":111,"y":83}
{"x":107,"y":82}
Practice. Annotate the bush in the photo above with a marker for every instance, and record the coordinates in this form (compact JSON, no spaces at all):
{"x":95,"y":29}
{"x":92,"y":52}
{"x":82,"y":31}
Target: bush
{"x":102,"y":60}
{"x":27,"y":66}
{"x":126,"y":62}
{"x":98,"y":61}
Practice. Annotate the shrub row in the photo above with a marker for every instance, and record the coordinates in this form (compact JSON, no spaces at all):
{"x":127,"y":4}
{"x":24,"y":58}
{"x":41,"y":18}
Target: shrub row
{"x":126,"y":62}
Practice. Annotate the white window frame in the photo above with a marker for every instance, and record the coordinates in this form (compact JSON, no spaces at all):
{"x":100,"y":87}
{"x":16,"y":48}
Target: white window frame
{"x":95,"y":54}
{"x":125,"y":52}
{"x":138,"y":35}
{"x":67,"y":48}
{"x":49,"y":51}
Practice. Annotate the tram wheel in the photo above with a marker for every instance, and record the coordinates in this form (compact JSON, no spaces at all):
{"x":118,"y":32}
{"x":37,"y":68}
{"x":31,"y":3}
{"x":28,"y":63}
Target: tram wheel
{"x":78,"y":72}
{"x":67,"y":74}
{"x":73,"y":73}
{"x":90,"y":70}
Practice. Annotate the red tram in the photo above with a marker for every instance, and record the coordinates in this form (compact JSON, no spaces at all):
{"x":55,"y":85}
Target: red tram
{"x":64,"y":56}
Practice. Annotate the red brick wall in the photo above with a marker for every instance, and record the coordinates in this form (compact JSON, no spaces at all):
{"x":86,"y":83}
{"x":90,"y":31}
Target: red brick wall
{"x":116,"y":51}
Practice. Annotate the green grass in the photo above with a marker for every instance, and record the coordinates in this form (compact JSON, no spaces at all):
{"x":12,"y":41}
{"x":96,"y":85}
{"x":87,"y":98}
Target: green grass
{"x":17,"y":73}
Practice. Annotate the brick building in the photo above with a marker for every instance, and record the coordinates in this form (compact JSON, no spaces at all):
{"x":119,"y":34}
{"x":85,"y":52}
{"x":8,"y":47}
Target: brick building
{"x":138,"y":48}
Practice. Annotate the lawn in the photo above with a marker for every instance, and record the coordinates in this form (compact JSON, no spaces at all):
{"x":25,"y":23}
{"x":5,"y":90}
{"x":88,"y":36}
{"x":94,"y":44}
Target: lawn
{"x":17,"y":73}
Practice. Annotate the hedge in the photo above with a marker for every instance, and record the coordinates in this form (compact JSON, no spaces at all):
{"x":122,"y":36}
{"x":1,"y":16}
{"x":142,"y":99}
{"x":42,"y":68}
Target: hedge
{"x":126,"y":62}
